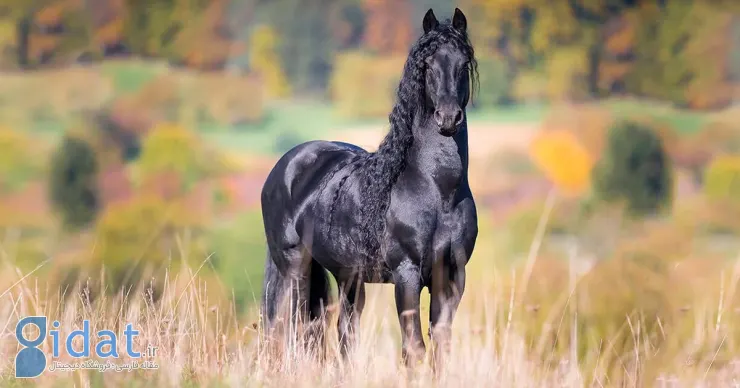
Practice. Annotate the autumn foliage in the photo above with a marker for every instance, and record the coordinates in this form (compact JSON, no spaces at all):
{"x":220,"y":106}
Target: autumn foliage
{"x":563,"y":159}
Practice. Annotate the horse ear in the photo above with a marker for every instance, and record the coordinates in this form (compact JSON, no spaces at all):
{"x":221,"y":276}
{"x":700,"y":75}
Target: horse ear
{"x":459,"y":21}
{"x":430,"y":21}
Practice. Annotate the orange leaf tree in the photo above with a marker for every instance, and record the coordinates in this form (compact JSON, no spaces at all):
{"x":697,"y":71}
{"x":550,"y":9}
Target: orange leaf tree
{"x":563,"y":159}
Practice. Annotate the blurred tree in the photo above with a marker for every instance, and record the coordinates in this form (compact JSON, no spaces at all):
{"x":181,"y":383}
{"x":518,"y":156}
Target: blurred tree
{"x":389,"y":26}
{"x":708,"y":51}
{"x":45,"y":30}
{"x":72,"y":184}
{"x":307,"y":47}
{"x":363,"y":85}
{"x":264,"y":61}
{"x":63,"y":33}
{"x":564,"y":160}
{"x":107,"y":22}
{"x":635,"y":168}
{"x":348,"y":25}
{"x":617,"y":55}
{"x":206,"y":41}
{"x":151,"y":27}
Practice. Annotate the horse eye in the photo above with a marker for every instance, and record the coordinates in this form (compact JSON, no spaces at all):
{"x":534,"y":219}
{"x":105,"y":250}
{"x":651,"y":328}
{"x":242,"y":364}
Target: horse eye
{"x":463,"y":70}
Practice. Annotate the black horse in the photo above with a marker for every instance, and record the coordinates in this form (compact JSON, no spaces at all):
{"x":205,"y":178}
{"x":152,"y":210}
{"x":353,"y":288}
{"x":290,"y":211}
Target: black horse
{"x":403,"y":214}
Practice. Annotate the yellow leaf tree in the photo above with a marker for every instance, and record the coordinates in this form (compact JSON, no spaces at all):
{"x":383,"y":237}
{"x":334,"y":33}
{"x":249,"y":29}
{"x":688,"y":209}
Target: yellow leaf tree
{"x":265,"y":61}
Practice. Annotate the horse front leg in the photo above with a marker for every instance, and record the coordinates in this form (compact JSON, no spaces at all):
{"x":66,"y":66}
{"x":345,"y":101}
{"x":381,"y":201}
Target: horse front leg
{"x":448,"y":284}
{"x":408,"y":293}
{"x":351,"y":304}
{"x":448,"y":279}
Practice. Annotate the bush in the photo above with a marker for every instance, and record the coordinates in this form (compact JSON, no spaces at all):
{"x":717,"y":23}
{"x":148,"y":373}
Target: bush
{"x":226,"y":99}
{"x":73,"y":188}
{"x":239,"y":257}
{"x":171,"y":150}
{"x":364,"y":85}
{"x":19,"y":161}
{"x":722,"y":179}
{"x":694,"y":152}
{"x":142,"y":237}
{"x":634,"y":285}
{"x":635,"y":169}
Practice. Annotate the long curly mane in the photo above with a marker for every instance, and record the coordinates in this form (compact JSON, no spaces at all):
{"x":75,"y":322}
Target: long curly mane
{"x":380,"y":170}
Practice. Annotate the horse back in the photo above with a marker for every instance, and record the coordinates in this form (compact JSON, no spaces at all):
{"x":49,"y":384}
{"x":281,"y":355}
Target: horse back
{"x":301,"y":171}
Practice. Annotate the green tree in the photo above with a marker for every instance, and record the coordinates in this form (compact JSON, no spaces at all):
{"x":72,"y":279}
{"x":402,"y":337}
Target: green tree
{"x":72,"y":185}
{"x":634,"y":169}
{"x":307,"y":46}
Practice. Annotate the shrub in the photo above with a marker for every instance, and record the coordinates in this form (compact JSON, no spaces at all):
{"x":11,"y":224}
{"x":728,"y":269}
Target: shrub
{"x":171,"y":150}
{"x":696,"y":151}
{"x":631,"y":292}
{"x":364,"y":85}
{"x":635,"y":169}
{"x":19,"y":161}
{"x":239,"y":257}
{"x":227,"y":99}
{"x":73,"y":191}
{"x":142,"y":237}
{"x":722,"y":179}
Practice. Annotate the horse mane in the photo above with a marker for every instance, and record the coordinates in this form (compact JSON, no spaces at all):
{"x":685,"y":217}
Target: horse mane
{"x":380,"y":169}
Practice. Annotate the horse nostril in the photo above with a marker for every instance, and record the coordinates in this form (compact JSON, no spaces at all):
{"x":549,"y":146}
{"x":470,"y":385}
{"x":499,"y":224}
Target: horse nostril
{"x":458,"y":117}
{"x":438,"y":118}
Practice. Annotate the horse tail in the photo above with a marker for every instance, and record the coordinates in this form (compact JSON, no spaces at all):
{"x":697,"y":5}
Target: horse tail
{"x":274,"y":288}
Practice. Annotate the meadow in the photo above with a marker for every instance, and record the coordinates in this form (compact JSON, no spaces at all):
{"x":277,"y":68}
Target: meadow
{"x":559,"y":295}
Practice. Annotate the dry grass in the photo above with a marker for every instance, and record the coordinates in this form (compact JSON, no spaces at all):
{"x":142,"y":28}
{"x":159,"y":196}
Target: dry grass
{"x":199,"y":344}
{"x":499,"y":337}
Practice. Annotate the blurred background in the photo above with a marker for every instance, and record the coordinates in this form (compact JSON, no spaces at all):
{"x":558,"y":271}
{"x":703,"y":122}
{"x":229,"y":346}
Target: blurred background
{"x":135,"y":136}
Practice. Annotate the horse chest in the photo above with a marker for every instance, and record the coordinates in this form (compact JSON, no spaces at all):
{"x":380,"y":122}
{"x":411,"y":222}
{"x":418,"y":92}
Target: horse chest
{"x":442,"y":170}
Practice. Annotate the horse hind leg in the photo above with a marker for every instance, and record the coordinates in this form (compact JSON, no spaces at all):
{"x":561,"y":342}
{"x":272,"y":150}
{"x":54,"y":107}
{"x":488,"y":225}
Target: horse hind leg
{"x":318,"y":303}
{"x":351,"y":304}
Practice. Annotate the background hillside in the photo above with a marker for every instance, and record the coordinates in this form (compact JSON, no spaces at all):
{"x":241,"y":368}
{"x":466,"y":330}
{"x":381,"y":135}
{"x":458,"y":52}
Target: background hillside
{"x":135,"y":136}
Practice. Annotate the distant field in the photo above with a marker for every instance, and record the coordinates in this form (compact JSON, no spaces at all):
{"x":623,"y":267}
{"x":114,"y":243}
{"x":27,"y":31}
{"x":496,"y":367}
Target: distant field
{"x":289,"y":124}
